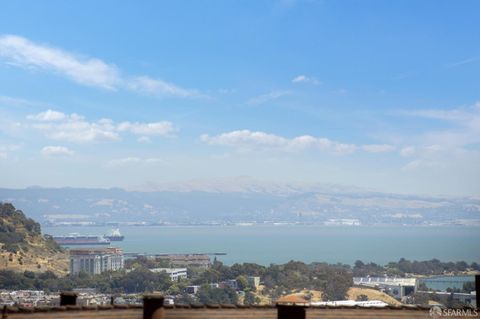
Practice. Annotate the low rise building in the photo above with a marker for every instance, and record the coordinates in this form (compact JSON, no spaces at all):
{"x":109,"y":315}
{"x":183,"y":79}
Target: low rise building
{"x":95,"y":260}
{"x":175,"y":273}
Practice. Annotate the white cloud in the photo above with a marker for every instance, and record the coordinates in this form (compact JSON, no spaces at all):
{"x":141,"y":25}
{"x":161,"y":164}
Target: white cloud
{"x":267,"y":97}
{"x":144,"y":139}
{"x":75,"y":128}
{"x":88,"y":71}
{"x":56,"y":151}
{"x":145,"y":84}
{"x":157,"y":128}
{"x":422,"y":164}
{"x":463,"y":62}
{"x":378,"y":148}
{"x":133,"y":161}
{"x":248,"y":140}
{"x":407,"y":151}
{"x":83,"y":70}
{"x":47,"y":116}
{"x":465,"y":129}
{"x":305,"y":79}
{"x":437,"y":157}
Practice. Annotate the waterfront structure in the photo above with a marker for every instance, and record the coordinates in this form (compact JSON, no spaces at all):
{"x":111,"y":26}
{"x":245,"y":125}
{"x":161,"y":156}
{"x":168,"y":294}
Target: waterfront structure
{"x":395,"y":287}
{"x":342,"y":222}
{"x":95,"y":260}
{"x":175,"y":273}
{"x":186,"y":260}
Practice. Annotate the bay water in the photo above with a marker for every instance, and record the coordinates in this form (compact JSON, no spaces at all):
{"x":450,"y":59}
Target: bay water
{"x":266,"y":244}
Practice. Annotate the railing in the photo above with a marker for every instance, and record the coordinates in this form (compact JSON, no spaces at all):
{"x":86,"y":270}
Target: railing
{"x":153,"y":305}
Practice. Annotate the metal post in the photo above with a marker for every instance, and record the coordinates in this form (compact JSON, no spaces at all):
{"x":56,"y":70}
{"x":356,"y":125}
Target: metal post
{"x":153,"y":307}
{"x":291,"y":312}
{"x":477,"y":289}
{"x":68,"y":299}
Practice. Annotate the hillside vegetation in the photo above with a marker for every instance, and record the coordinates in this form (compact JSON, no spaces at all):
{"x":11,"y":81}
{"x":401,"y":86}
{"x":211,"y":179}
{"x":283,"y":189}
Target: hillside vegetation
{"x":22,"y":246}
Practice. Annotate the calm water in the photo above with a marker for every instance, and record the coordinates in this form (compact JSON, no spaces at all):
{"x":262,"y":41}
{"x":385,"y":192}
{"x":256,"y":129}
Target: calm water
{"x":279,"y":244}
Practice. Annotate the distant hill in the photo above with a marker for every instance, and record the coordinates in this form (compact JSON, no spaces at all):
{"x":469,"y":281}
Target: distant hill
{"x":22,"y":246}
{"x":240,"y":200}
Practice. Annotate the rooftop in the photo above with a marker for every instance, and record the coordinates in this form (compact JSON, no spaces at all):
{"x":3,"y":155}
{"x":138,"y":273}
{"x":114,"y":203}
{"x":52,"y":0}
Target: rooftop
{"x":88,"y":251}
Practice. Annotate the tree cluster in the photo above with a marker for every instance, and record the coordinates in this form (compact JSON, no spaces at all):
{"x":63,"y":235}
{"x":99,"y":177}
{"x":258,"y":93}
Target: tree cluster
{"x":333,"y":280}
{"x":136,"y":281}
{"x":404,"y":267}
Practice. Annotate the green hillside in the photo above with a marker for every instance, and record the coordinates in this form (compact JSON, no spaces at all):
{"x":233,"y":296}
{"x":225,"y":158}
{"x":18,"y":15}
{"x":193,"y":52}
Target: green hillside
{"x":22,"y":246}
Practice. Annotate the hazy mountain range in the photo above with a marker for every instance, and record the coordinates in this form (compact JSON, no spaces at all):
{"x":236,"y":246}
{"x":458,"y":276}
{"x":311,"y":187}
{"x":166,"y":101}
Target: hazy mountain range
{"x":240,"y":200}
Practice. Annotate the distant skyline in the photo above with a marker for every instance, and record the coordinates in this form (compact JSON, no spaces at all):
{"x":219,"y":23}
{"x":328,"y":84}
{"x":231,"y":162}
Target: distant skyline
{"x":381,"y":95}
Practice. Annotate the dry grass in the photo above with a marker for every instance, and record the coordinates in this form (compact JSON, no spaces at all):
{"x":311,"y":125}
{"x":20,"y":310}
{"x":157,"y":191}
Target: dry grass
{"x":372,"y":294}
{"x":352,"y":294}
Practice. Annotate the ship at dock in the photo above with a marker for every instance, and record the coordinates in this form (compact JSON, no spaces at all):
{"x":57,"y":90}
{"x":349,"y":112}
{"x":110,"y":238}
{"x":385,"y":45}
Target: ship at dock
{"x":114,"y":235}
{"x":77,"y":239}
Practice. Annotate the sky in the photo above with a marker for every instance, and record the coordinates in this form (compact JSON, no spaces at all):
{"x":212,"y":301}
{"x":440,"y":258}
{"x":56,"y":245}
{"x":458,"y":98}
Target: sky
{"x":383,"y":95}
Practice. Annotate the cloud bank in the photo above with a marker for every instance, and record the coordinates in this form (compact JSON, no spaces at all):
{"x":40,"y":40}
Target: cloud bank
{"x":75,"y":128}
{"x":249,"y":140}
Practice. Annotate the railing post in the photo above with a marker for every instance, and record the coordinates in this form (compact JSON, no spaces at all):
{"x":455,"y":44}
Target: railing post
{"x":477,"y":290}
{"x":68,"y":299}
{"x":291,"y":312}
{"x":153,"y":307}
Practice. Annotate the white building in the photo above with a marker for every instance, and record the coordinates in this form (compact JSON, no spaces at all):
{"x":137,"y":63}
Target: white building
{"x":253,"y":281}
{"x":175,"y":273}
{"x":95,"y":260}
{"x":192,"y":289}
{"x":395,"y":287}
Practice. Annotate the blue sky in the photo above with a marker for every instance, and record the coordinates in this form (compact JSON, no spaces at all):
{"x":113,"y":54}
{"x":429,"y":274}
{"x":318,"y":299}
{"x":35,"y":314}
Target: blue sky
{"x":376,"y":94}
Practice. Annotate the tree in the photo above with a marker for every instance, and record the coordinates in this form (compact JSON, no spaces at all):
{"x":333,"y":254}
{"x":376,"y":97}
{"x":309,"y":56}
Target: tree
{"x":468,"y":287}
{"x":209,"y":295}
{"x":249,"y":299}
{"x":242,"y":282}
{"x":208,"y":276}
